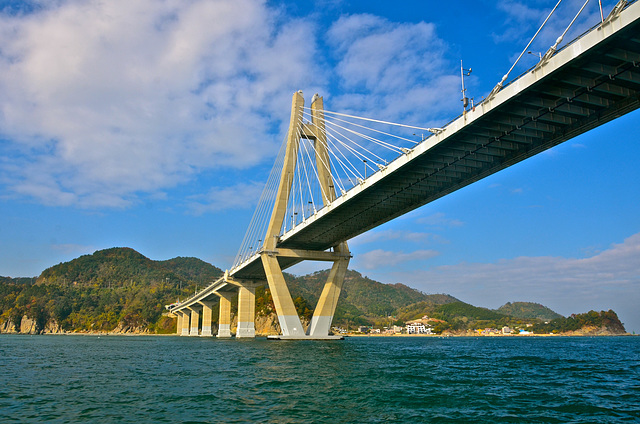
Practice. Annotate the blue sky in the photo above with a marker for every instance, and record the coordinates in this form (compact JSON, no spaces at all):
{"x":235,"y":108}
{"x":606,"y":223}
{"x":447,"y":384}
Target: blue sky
{"x":154,"y":124}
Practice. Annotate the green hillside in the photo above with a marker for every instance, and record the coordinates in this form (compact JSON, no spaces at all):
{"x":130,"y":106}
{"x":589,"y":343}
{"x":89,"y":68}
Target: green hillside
{"x":111,"y":288}
{"x":528,"y":310}
{"x":362,"y":300}
{"x":367,"y":295}
{"x":424,"y":307}
{"x":121,"y":266}
{"x":591,"y":320}
{"x":120,"y":288}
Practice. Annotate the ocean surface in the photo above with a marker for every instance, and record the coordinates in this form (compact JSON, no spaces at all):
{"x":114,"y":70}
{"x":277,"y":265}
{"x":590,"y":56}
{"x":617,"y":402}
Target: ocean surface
{"x":119,"y":379}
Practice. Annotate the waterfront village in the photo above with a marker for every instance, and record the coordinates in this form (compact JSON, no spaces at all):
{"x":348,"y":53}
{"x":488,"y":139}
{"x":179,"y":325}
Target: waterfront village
{"x":425,"y":326}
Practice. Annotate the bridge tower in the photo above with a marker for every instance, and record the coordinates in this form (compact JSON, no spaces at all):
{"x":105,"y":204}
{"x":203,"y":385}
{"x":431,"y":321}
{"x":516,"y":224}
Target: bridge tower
{"x":287,"y":315}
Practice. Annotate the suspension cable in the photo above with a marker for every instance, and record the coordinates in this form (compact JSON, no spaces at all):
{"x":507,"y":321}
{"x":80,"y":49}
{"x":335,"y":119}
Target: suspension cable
{"x":356,"y":144}
{"x":379,"y":142}
{"x":498,"y":87}
{"x":373,"y":129}
{"x":381,"y":122}
{"x":553,"y":48}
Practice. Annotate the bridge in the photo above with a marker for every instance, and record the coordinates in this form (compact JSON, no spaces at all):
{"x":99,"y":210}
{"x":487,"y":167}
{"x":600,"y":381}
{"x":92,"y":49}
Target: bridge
{"x":338,"y":176}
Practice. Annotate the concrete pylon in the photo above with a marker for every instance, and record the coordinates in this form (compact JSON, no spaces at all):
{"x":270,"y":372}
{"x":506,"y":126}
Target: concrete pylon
{"x":206,"y":318}
{"x":246,"y":311}
{"x":317,"y":132}
{"x":195,"y":321}
{"x":287,"y":315}
{"x":320,"y":324}
{"x":285,"y":309}
{"x":224,"y":319}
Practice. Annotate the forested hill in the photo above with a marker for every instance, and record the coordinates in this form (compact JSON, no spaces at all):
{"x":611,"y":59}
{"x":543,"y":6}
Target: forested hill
{"x":528,"y":310}
{"x":121,"y":266}
{"x":367,"y":295}
{"x":363,"y":300}
{"x":114,"y":289}
{"x":121,"y":290}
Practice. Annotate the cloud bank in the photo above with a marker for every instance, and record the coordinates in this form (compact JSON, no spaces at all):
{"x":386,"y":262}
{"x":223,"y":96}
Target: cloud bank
{"x":102,"y":103}
{"x":104,"y":100}
{"x":610,"y":279}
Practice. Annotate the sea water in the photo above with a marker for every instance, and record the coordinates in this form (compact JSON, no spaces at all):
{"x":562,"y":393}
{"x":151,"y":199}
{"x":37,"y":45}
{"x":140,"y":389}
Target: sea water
{"x":145,"y":379}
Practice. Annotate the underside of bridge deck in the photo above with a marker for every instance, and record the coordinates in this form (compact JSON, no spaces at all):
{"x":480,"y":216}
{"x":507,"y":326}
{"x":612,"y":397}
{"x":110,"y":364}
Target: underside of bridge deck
{"x":595,"y":85}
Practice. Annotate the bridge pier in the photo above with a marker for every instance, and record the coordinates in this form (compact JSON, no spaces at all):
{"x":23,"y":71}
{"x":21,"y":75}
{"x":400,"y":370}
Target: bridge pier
{"x":320,"y":325}
{"x":246,"y":311}
{"x":224,"y":317}
{"x":184,"y":331}
{"x":195,"y":321}
{"x":206,"y":318}
{"x":287,"y":315}
{"x":178,"y":323}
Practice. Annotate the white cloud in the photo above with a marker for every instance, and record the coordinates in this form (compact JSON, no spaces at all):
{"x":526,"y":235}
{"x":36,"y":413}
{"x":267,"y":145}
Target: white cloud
{"x":610,"y":279}
{"x":76,"y":249}
{"x":439,"y":219}
{"x":220,"y":198}
{"x":104,"y":100}
{"x":377,"y":236}
{"x":382,"y":258}
{"x":395,"y":71}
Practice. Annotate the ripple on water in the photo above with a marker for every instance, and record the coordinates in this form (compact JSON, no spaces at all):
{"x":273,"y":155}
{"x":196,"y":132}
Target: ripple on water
{"x":359,"y":380}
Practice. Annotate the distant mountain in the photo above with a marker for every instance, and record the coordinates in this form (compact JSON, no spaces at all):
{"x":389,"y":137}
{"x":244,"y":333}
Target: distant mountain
{"x":459,"y":309}
{"x":361,"y":296}
{"x":114,"y":289}
{"x":122,"y":265}
{"x":121,"y":290}
{"x":590,"y":323}
{"x":18,"y":280}
{"x":528,"y":310}
{"x":425,"y":307}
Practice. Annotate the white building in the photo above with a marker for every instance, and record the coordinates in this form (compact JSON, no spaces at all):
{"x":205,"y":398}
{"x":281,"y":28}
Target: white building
{"x":418,"y":327}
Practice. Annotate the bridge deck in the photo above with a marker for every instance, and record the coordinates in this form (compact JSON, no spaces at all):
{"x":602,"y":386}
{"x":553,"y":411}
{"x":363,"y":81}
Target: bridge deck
{"x":593,"y":80}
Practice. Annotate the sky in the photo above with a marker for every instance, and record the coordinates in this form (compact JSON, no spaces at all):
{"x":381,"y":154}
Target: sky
{"x":154,"y":124}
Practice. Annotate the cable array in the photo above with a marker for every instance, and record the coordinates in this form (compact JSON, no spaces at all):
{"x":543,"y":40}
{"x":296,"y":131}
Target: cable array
{"x":554,"y":48}
{"x":356,"y":147}
{"x":254,"y":237}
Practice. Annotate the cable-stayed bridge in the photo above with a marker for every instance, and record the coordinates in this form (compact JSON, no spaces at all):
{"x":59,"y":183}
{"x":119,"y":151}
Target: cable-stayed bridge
{"x":337,"y":176}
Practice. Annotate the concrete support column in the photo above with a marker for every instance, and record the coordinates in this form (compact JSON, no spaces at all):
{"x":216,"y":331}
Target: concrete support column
{"x":179,"y":323}
{"x":286,"y":310}
{"x":186,"y":314}
{"x":320,"y":324}
{"x":206,"y":318}
{"x":224,"y":319}
{"x":195,"y":321}
{"x":246,"y":311}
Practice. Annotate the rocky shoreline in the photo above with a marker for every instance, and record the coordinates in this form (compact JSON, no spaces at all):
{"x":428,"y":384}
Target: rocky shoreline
{"x":265,"y":326}
{"x":268,"y":326}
